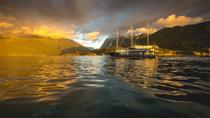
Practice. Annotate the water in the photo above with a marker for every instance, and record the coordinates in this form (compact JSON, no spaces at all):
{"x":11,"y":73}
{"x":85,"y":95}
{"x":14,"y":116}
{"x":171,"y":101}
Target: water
{"x":102,"y":87}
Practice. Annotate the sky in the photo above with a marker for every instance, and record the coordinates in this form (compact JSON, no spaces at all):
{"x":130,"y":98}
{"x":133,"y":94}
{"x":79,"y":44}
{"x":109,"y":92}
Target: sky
{"x":90,"y":22}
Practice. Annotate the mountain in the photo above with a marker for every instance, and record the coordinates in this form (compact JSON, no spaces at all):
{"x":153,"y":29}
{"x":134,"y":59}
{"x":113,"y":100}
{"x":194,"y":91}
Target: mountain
{"x":187,"y":38}
{"x":38,"y":46}
{"x":110,"y":43}
{"x":123,"y":41}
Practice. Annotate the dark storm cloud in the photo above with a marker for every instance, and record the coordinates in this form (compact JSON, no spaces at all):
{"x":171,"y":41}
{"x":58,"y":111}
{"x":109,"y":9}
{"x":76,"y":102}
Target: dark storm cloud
{"x":101,"y":15}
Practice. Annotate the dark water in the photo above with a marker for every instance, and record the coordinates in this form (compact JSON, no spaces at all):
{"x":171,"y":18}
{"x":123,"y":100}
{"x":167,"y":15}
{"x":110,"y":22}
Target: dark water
{"x":102,"y":87}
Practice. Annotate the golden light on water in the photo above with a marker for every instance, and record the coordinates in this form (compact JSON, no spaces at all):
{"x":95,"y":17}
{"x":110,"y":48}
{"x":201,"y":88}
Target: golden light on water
{"x":142,"y":70}
{"x":60,"y":58}
{"x":35,"y":77}
{"x":44,"y":78}
{"x":143,"y":73}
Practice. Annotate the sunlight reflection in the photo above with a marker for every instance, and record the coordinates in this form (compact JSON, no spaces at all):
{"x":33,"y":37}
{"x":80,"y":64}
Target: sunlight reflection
{"x":138,"y":71}
{"x":89,"y":66}
{"x":35,"y":77}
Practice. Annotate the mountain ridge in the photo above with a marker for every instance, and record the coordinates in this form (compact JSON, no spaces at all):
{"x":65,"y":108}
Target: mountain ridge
{"x":187,"y":38}
{"x":38,"y":46}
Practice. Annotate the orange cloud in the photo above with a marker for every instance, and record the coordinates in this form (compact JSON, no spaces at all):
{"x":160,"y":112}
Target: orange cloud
{"x":15,"y":29}
{"x":143,"y":30}
{"x":146,"y":30}
{"x":6,"y":25}
{"x":44,"y":31}
{"x":6,"y":17}
{"x":174,"y":20}
{"x":49,"y":32}
{"x":92,"y":35}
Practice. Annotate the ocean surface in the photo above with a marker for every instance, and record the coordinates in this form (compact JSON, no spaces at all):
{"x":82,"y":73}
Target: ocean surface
{"x":104,"y":87}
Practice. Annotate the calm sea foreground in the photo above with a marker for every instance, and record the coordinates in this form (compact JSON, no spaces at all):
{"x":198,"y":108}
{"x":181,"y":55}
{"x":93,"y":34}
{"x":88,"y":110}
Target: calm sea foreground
{"x":103,"y":87}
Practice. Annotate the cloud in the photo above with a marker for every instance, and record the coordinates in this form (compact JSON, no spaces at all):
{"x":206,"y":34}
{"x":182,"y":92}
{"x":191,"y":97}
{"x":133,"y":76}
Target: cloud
{"x":6,"y":21}
{"x":174,"y":20}
{"x":104,"y":16}
{"x":6,"y":25}
{"x":170,"y":21}
{"x":143,"y":30}
{"x":93,"y":35}
{"x":146,"y":30}
{"x":99,"y":15}
{"x":50,"y":32}
{"x":82,"y":39}
{"x":43,"y":31}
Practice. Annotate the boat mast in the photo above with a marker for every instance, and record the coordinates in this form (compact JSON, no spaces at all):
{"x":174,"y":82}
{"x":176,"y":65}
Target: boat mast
{"x":131,"y":35}
{"x":117,"y":38}
{"x":148,"y":33}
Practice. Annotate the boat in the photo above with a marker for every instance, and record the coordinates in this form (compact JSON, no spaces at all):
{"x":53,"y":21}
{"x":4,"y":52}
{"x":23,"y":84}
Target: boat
{"x":135,"y":51}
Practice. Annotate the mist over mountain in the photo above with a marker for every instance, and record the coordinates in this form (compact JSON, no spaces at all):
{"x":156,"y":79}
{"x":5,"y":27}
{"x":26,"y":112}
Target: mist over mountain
{"x":124,"y":42}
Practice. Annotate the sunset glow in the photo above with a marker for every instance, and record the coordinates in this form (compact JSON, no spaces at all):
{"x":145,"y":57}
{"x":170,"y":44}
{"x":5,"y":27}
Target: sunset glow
{"x":104,"y":58}
{"x":94,"y":19}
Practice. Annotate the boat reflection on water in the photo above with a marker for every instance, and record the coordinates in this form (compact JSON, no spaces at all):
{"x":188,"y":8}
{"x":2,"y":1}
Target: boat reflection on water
{"x":138,"y":72}
{"x":169,"y":78}
{"x":150,"y":67}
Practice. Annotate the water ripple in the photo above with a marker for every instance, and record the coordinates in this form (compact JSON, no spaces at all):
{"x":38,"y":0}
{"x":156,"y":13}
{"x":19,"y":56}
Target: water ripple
{"x":49,"y":78}
{"x":178,"y":78}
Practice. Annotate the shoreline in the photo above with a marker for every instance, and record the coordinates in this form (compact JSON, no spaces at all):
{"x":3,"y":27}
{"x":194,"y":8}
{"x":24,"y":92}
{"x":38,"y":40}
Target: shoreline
{"x":180,"y":55}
